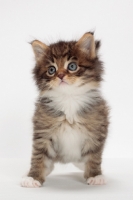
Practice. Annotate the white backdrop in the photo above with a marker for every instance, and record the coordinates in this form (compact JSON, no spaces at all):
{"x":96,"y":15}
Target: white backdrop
{"x":21,"y":21}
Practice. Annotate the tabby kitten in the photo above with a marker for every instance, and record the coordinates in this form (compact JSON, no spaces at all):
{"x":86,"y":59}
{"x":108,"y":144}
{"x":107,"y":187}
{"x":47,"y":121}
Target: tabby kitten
{"x":71,"y":117}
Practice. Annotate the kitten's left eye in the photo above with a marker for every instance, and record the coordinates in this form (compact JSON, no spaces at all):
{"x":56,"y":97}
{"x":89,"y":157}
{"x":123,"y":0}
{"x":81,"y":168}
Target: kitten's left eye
{"x":72,"y":66}
{"x":51,"y":70}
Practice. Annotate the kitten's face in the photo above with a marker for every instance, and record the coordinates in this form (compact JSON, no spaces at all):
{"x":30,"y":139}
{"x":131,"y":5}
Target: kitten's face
{"x":64,"y":64}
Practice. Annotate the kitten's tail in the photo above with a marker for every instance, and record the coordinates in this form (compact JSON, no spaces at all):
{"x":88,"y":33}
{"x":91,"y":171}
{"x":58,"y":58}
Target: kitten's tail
{"x":81,"y":166}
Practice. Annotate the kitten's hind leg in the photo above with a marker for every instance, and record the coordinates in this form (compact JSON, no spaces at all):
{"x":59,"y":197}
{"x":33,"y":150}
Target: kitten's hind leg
{"x":35,"y":177}
{"x":93,"y":173}
{"x":37,"y":173}
{"x":41,"y":165}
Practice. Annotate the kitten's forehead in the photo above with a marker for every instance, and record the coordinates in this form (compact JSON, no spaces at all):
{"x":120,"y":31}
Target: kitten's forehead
{"x":60,"y":62}
{"x":61,"y":52}
{"x":62,"y":49}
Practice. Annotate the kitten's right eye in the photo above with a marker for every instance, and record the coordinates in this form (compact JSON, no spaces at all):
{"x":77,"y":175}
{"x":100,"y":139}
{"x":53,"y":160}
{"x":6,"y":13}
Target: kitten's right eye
{"x":51,"y":70}
{"x":72,"y":66}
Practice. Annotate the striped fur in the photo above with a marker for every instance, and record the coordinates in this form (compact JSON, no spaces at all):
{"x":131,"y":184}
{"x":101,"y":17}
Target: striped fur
{"x":71,"y":117}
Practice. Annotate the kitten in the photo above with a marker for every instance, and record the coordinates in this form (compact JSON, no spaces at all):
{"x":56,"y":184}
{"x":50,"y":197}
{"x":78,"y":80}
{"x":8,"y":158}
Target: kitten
{"x":71,"y":117}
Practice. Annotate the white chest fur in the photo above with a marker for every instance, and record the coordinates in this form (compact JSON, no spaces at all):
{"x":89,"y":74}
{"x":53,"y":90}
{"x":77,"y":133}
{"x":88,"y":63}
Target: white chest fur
{"x":69,"y":142}
{"x":70,"y":137}
{"x":69,"y":105}
{"x":69,"y":100}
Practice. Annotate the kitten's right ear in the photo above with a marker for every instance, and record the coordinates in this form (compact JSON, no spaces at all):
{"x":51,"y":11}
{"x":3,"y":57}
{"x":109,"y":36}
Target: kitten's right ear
{"x":87,"y":44}
{"x":39,"y":49}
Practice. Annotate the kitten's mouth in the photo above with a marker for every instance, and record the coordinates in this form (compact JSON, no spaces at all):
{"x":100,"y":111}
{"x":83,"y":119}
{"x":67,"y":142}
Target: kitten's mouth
{"x":63,"y":83}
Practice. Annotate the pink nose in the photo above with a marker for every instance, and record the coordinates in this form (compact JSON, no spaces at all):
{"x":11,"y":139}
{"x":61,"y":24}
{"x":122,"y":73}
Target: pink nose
{"x":61,"y":75}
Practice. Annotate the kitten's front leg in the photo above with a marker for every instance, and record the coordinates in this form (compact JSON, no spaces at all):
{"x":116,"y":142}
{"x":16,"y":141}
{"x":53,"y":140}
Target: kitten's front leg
{"x":41,"y":164}
{"x":93,"y":173}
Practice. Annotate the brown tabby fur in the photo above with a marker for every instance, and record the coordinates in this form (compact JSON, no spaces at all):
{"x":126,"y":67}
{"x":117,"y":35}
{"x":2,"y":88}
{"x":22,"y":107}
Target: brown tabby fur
{"x":92,"y":119}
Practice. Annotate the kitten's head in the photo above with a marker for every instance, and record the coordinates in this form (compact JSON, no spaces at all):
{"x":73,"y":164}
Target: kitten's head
{"x":66,"y":64}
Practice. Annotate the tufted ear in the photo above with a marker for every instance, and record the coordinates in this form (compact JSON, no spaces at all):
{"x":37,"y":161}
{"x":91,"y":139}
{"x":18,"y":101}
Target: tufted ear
{"x":39,"y":49}
{"x":87,"y":44}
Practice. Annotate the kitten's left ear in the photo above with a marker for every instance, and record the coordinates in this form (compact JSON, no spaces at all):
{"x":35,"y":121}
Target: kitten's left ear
{"x":39,"y":49}
{"x":87,"y":44}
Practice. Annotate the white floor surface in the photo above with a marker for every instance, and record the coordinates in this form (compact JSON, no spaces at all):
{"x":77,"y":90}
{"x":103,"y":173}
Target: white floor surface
{"x":67,"y":182}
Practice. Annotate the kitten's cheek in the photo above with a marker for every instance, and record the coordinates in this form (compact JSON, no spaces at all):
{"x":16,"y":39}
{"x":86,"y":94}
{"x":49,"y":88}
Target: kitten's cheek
{"x":70,"y":81}
{"x":55,"y":83}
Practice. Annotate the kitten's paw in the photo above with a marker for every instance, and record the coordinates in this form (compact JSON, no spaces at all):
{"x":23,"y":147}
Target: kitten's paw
{"x":30,"y":182}
{"x":97,"y":180}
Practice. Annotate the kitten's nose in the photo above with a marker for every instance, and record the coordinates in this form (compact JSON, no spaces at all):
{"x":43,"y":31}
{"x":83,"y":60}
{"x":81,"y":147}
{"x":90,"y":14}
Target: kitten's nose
{"x":61,"y":75}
